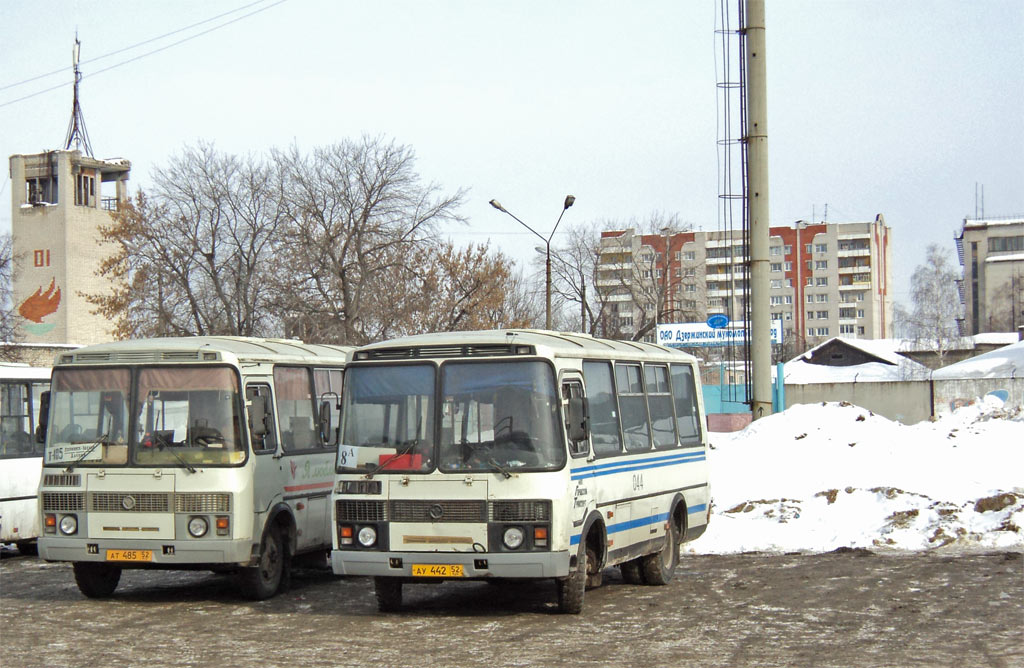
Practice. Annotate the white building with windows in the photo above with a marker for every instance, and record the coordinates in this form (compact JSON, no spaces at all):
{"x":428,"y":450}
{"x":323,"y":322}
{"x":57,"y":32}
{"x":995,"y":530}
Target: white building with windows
{"x":826,"y":279}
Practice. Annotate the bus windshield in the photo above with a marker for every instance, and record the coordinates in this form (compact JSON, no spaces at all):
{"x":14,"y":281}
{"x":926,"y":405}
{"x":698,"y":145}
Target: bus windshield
{"x":499,"y":415}
{"x":494,"y":416}
{"x":180,"y":417}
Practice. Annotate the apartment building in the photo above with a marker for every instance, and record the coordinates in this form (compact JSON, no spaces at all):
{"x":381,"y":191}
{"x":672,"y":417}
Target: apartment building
{"x":826,"y":279}
{"x":991,"y":253}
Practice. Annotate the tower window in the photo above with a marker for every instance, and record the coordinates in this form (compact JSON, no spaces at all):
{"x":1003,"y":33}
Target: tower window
{"x":41,"y":190}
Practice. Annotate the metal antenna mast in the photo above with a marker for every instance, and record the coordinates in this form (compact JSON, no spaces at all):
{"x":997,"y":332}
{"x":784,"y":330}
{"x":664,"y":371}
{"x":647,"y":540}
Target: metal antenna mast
{"x":77,"y":133}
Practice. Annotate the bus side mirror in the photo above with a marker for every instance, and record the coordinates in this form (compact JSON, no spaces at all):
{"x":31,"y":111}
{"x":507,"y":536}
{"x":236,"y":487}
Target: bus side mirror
{"x":258,"y":416}
{"x":579,"y":420}
{"x":44,"y":416}
{"x":328,"y":434}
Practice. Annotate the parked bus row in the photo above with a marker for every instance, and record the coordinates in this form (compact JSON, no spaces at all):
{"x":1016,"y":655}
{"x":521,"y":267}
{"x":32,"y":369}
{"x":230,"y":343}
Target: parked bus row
{"x":503,"y":454}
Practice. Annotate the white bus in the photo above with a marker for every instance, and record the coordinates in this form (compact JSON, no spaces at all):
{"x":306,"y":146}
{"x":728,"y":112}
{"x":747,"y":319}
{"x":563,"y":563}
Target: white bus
{"x":518,"y":454}
{"x":186,"y":453}
{"x":21,"y":456}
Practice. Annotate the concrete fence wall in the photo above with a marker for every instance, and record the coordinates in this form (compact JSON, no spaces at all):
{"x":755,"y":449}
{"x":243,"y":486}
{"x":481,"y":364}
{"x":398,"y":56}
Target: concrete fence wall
{"x":907,"y":401}
{"x":910,"y":401}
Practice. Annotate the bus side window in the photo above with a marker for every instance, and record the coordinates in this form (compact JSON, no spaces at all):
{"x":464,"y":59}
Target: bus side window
{"x":295,"y":408}
{"x":685,"y":399}
{"x":604,"y":417}
{"x":659,"y":405}
{"x":636,"y":427}
{"x":576,"y":419}
{"x":261,"y":409}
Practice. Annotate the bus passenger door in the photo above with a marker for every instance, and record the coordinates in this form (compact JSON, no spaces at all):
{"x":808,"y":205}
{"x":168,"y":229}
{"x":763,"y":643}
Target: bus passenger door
{"x":267,"y":467}
{"x":579,"y":450}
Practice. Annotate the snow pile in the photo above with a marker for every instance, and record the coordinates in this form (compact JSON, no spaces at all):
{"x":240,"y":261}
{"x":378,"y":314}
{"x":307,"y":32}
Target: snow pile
{"x":825,"y":476}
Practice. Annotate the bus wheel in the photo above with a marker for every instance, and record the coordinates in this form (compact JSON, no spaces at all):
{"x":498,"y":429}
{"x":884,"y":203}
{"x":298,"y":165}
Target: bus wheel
{"x":632,"y":572}
{"x":262,"y":581}
{"x":658,"y":568}
{"x":572,"y":588}
{"x":96,"y":580}
{"x":389,"y":593}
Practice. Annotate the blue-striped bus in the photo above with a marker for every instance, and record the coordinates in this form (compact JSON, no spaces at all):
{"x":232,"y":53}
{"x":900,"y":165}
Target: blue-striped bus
{"x":518,"y":454}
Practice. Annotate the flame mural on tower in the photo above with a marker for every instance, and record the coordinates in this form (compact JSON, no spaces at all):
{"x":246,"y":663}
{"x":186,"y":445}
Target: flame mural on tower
{"x":39,"y":305}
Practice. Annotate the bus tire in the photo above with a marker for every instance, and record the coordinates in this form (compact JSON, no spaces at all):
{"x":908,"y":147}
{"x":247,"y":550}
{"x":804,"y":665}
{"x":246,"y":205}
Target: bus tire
{"x":389,"y":593}
{"x":572,"y":588}
{"x":632,"y":572}
{"x":262,"y":581}
{"x":659,"y":567}
{"x":96,"y":579}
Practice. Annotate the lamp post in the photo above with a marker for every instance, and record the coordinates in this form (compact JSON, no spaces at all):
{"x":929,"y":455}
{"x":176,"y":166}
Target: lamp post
{"x":582,"y":288}
{"x":569,"y":199}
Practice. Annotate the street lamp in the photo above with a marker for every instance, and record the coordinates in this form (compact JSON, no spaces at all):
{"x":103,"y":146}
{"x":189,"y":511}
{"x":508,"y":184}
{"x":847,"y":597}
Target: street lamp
{"x":569,"y":199}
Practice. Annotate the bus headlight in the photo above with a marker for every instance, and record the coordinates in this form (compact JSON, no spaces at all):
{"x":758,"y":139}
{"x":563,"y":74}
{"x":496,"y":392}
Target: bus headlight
{"x":68,"y":525}
{"x":198,"y":526}
{"x":513,"y":538}
{"x":367,"y":536}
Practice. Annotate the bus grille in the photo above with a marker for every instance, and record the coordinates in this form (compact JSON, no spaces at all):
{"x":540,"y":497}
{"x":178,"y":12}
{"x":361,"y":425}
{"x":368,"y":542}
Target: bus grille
{"x":136,"y":502}
{"x":360,"y":511}
{"x":438,"y":511}
{"x":61,"y":502}
{"x":520,"y":511}
{"x":62,"y":480}
{"x":214,"y":502}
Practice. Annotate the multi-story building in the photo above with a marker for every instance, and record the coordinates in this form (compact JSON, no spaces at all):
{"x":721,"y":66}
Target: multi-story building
{"x":825,"y":279}
{"x":991,"y":252}
{"x":59,"y":202}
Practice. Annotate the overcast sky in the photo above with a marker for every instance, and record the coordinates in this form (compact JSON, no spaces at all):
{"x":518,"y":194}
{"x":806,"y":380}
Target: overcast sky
{"x":904,"y":109}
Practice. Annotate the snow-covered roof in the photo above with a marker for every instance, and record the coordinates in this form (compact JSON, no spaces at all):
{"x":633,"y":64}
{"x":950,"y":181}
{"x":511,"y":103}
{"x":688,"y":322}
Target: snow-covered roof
{"x":995,"y":338}
{"x":883,"y":349}
{"x":799,"y":372}
{"x":1006,"y":362}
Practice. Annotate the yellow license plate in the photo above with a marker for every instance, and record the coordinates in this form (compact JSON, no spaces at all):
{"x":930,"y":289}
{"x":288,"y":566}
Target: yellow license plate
{"x":129,"y":555}
{"x":437,"y":570}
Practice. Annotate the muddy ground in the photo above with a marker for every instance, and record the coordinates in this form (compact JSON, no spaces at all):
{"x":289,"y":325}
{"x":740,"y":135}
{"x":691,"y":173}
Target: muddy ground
{"x":838,"y":609}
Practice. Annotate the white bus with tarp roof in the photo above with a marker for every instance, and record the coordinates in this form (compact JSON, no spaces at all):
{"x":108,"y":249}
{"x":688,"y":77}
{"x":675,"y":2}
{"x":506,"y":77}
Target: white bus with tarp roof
{"x":187,"y":453}
{"x":21,"y":455}
{"x":518,"y":454}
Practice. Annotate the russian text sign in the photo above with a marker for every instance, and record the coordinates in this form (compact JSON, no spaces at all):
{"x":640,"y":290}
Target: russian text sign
{"x":700,"y":335}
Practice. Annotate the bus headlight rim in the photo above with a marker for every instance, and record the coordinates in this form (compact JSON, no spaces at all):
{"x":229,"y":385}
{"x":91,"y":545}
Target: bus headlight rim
{"x":367,"y":536}
{"x":513,"y":537}
{"x":68,"y":525}
{"x":198,"y":526}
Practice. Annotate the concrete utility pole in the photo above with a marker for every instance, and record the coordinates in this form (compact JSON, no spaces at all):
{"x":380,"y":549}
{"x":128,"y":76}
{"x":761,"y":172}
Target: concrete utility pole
{"x":757,"y":208}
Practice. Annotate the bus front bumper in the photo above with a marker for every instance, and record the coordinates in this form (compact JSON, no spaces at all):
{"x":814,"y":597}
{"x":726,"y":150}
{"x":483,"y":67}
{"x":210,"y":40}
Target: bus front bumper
{"x":161,"y":553}
{"x":474,"y":564}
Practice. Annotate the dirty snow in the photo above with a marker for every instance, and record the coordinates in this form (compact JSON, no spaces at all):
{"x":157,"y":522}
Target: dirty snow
{"x":820,"y":477}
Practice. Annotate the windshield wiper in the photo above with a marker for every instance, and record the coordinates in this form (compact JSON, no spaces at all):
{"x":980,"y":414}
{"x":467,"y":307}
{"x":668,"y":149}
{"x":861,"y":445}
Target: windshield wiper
{"x":102,"y":440}
{"x":398,"y":453}
{"x":504,"y":471}
{"x":160,"y":445}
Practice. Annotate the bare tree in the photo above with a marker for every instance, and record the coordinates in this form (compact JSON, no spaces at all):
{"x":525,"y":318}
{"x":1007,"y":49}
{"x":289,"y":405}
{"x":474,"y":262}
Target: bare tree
{"x":932,"y":320}
{"x":10,"y":333}
{"x":356,"y":212}
{"x":462,"y":289}
{"x":195,"y":256}
{"x":638,"y":286}
{"x":1006,"y":312}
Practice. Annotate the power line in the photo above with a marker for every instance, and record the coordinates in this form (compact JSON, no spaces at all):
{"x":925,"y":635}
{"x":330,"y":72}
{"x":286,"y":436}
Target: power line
{"x":133,"y":46}
{"x":149,"y":53}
